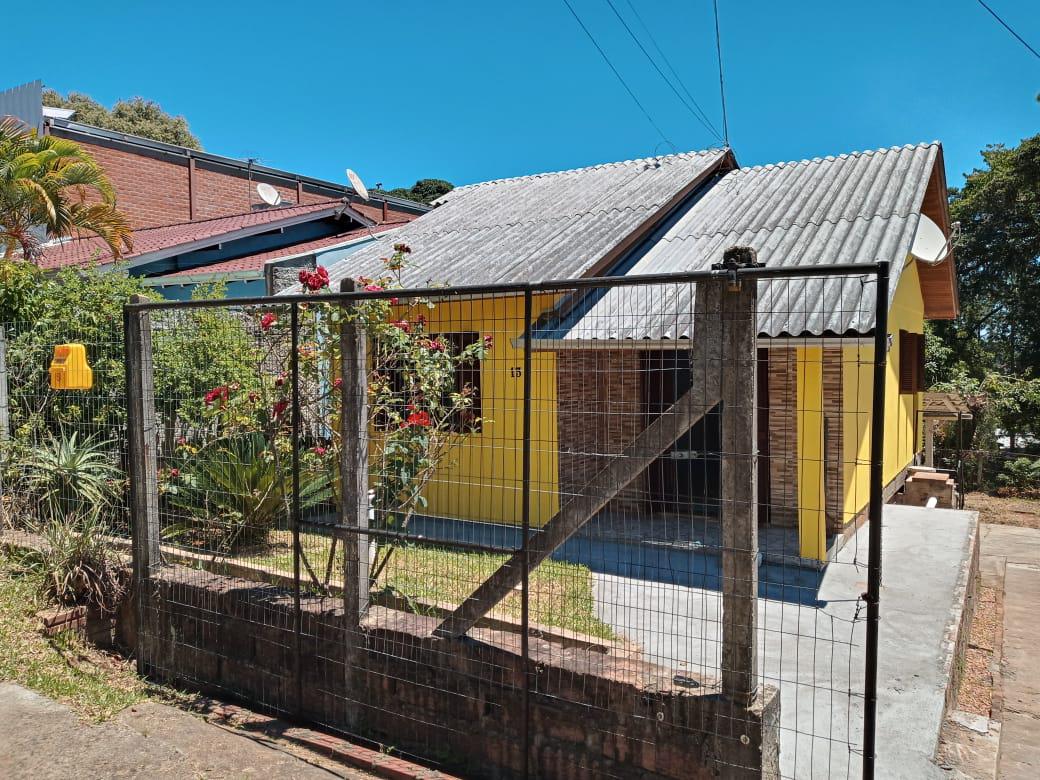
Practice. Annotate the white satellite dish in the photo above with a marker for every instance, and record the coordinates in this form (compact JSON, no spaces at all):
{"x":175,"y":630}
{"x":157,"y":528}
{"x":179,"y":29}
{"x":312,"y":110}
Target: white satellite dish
{"x":268,"y":194}
{"x":357,"y":184}
{"x":930,"y":243}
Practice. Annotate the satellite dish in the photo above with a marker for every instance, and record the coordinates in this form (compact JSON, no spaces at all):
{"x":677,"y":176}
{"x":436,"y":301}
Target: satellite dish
{"x":268,"y":194}
{"x":357,"y":184}
{"x":930,"y":243}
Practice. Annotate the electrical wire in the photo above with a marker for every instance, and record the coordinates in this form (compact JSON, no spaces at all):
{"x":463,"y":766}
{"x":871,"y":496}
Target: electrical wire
{"x":1010,"y":29}
{"x":698,"y":114}
{"x":722,"y":81}
{"x":667,"y":62}
{"x":624,"y":83}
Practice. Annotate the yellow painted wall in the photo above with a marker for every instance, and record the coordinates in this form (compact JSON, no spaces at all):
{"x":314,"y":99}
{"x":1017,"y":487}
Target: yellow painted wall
{"x":812,"y":521}
{"x":902,"y":431}
{"x":481,"y":479}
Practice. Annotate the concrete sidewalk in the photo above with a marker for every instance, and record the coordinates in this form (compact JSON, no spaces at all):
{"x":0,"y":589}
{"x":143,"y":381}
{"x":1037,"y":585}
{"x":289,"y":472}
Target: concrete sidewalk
{"x":1015,"y":554}
{"x":814,"y":653}
{"x":43,"y":739}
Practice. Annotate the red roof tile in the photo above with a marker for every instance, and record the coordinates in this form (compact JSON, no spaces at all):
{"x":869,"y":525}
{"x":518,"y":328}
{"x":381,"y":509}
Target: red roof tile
{"x":81,"y":251}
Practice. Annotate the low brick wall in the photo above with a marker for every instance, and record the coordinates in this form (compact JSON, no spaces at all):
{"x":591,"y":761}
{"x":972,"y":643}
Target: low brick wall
{"x":459,"y":702}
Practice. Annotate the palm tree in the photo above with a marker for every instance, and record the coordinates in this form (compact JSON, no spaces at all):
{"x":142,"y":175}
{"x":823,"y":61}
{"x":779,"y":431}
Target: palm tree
{"x":51,"y":184}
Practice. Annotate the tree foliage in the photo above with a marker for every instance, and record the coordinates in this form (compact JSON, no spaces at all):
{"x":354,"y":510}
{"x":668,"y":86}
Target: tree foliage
{"x":424,"y":190}
{"x":51,"y":188}
{"x":992,"y":350}
{"x":136,"y":116}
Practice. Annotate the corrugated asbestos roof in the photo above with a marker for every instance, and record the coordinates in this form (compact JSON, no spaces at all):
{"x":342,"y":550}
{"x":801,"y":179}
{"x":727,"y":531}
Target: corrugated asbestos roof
{"x":533,"y":227}
{"x":856,"y":208}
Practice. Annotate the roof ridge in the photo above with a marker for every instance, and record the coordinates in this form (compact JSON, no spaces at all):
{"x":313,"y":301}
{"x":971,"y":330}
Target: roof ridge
{"x":843,"y":155}
{"x":616,"y":163}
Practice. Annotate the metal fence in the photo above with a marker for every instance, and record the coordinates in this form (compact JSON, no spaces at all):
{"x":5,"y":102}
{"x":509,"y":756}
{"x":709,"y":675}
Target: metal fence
{"x":596,"y":528}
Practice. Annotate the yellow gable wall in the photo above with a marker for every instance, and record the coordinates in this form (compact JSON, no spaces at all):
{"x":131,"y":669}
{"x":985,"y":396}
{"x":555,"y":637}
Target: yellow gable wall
{"x":482,"y":476}
{"x":902,"y":429}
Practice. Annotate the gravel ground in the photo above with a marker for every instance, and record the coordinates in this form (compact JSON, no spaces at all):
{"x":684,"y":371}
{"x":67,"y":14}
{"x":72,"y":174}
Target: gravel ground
{"x":1022,"y":512}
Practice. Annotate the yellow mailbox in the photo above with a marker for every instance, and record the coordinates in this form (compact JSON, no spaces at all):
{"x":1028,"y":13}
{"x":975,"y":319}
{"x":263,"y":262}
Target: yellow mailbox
{"x":69,"y":368}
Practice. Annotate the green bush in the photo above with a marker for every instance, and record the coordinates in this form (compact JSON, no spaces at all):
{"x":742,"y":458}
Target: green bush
{"x":70,"y":477}
{"x":1020,"y":475}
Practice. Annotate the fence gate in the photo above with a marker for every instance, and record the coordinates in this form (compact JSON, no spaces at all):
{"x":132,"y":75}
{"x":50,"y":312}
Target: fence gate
{"x":587,"y":528}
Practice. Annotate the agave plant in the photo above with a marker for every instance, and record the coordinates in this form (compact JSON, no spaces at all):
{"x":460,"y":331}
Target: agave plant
{"x":71,"y":477}
{"x":235,"y":490}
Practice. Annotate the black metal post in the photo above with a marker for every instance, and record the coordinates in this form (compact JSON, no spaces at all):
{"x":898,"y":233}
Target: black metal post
{"x":875,"y":512}
{"x":294,"y":363}
{"x":526,"y":520}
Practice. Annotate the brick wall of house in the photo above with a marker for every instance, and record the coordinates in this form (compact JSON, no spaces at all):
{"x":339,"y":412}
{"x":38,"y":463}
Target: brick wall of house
{"x":600,"y":410}
{"x":153,"y":188}
{"x":458,"y":702}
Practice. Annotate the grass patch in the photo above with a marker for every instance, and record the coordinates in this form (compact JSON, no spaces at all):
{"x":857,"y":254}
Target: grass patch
{"x":560,"y":593}
{"x":95,"y":684}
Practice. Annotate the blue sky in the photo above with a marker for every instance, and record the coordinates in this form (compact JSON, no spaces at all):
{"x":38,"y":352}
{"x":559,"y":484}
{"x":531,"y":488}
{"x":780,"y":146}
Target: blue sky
{"x":470,"y":91}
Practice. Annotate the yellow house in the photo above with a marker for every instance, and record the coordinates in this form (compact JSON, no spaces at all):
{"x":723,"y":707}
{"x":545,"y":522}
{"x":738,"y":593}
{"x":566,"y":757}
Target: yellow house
{"x":605,"y":362}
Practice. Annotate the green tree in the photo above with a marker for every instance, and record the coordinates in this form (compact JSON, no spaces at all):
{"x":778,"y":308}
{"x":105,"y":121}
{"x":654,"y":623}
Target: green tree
{"x":136,"y":116}
{"x":50,"y":187}
{"x":424,"y":190}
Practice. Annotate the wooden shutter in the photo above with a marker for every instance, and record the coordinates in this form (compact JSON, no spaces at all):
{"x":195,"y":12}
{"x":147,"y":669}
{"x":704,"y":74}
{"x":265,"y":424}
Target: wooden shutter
{"x":907,"y":362}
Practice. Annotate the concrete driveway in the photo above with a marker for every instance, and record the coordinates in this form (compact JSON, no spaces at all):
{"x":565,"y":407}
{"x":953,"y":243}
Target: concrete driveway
{"x":814,"y":652}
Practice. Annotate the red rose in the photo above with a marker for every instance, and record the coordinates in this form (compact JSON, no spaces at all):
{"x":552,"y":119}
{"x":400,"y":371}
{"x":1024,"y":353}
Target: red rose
{"x":403,"y":325}
{"x":279,"y":408}
{"x":394,"y":301}
{"x":267,"y":321}
{"x":337,"y":383}
{"x":221,"y":393}
{"x":175,"y":473}
{"x":489,"y":341}
{"x":420,"y":419}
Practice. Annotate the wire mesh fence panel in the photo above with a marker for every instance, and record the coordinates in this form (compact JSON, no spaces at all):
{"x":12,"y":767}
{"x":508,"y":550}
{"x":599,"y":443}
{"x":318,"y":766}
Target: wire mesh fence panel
{"x":595,"y":529}
{"x":62,"y":449}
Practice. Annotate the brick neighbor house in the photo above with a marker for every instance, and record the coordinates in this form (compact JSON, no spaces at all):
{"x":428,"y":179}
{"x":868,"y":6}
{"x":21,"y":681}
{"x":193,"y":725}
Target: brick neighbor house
{"x":199,"y":217}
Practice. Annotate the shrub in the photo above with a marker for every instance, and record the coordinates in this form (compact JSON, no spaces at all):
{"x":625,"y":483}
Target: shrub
{"x":1021,"y":475}
{"x":235,"y":490}
{"x":75,"y":564}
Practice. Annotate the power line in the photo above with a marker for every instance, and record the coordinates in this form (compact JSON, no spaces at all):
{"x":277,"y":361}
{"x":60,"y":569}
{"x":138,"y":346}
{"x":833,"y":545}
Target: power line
{"x":722,"y":81}
{"x":667,"y":62}
{"x":700,"y":117}
{"x":1010,"y":29}
{"x":610,"y":64}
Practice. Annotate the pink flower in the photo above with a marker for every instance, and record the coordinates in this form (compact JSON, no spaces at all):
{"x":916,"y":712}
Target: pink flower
{"x":181,"y":441}
{"x":267,"y":321}
{"x":394,"y":301}
{"x":337,"y":383}
{"x":404,"y":325}
{"x":175,"y":473}
{"x":489,"y":341}
{"x":434,"y":345}
{"x":373,"y":288}
{"x":319,"y":451}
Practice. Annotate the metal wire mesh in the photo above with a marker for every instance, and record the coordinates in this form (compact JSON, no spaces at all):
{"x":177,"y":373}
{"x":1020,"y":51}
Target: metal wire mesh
{"x":494,"y":530}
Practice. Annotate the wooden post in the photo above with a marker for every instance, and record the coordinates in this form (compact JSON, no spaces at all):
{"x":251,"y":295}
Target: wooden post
{"x":353,"y":424}
{"x":739,"y":482}
{"x":142,"y":440}
{"x":929,"y":443}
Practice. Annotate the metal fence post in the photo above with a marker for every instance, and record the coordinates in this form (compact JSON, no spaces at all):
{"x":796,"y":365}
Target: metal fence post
{"x":5,"y":409}
{"x":294,"y":371}
{"x":142,"y":440}
{"x":739,"y":480}
{"x":875,"y":512}
{"x":525,"y":596}
{"x":354,"y":462}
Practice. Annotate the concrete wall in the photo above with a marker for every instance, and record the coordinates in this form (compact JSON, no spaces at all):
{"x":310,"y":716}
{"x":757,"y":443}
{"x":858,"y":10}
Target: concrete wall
{"x":457,"y":701}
